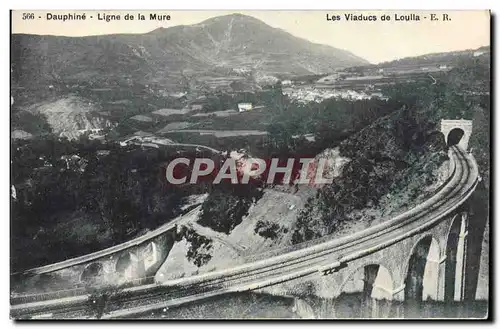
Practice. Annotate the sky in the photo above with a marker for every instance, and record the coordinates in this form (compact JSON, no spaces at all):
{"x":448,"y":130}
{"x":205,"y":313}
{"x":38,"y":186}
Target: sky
{"x":376,"y":41}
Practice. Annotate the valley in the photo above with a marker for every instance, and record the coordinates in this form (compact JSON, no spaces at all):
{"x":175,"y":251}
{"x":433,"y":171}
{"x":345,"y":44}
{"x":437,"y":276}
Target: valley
{"x":96,"y":120}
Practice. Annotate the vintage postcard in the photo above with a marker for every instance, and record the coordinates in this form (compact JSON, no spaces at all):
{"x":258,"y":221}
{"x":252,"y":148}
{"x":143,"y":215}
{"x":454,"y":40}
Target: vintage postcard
{"x":250,"y":164}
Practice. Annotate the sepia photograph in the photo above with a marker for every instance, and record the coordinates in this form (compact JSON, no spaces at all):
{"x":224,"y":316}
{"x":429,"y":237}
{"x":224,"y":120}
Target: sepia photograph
{"x":250,"y":165}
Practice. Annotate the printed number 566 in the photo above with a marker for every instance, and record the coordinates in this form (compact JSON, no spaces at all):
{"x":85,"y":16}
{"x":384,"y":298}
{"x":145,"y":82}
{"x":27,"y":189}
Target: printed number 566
{"x":28,"y":16}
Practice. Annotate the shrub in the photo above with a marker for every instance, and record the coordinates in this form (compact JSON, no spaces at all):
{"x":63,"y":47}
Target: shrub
{"x":267,"y":229}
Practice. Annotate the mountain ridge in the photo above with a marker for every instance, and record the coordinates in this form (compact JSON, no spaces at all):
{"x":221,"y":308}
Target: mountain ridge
{"x":232,"y":41}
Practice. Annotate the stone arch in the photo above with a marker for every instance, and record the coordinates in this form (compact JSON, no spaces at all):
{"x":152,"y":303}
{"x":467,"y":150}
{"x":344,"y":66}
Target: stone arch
{"x":422,"y":273}
{"x":303,"y":309}
{"x":366,"y":292}
{"x":125,"y":265}
{"x":123,"y":262}
{"x":91,"y":273}
{"x":456,"y":246}
{"x":451,"y":227}
{"x":450,"y":129}
{"x":150,"y":255}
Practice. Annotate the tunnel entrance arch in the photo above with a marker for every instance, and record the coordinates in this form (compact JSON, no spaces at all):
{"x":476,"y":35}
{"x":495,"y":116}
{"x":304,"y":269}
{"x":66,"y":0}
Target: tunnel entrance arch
{"x":457,"y":132}
{"x":366,"y":293}
{"x":454,"y":136}
{"x":422,"y":276}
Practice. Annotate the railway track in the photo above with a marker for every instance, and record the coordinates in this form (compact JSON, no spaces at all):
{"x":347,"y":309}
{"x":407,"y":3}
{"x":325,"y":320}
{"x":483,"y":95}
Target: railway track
{"x":308,"y":261}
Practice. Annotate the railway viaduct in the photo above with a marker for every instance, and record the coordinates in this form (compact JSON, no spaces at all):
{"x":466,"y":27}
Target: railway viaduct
{"x":426,"y":266}
{"x":416,"y":256}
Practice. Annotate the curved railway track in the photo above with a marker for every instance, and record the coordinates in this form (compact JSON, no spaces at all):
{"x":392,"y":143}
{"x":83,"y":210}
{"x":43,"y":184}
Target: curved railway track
{"x":308,"y":261}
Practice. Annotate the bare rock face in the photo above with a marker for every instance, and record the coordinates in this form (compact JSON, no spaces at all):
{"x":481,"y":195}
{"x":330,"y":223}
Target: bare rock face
{"x":328,"y":164}
{"x":71,"y":116}
{"x":20,"y":134}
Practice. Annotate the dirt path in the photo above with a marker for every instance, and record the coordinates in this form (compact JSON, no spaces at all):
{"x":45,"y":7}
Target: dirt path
{"x":221,"y":237}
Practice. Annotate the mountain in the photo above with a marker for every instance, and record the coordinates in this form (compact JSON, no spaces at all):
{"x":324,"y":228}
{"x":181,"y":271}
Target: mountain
{"x":451,"y":58}
{"x":165,"y":56}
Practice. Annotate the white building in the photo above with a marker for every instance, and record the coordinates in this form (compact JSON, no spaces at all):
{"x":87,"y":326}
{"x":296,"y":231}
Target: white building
{"x":243,"y":107}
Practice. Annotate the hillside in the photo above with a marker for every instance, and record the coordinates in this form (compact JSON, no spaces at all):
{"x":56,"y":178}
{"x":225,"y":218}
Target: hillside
{"x":450,"y":58}
{"x":166,"y":56}
{"x":69,"y":115}
{"x":398,"y":160}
